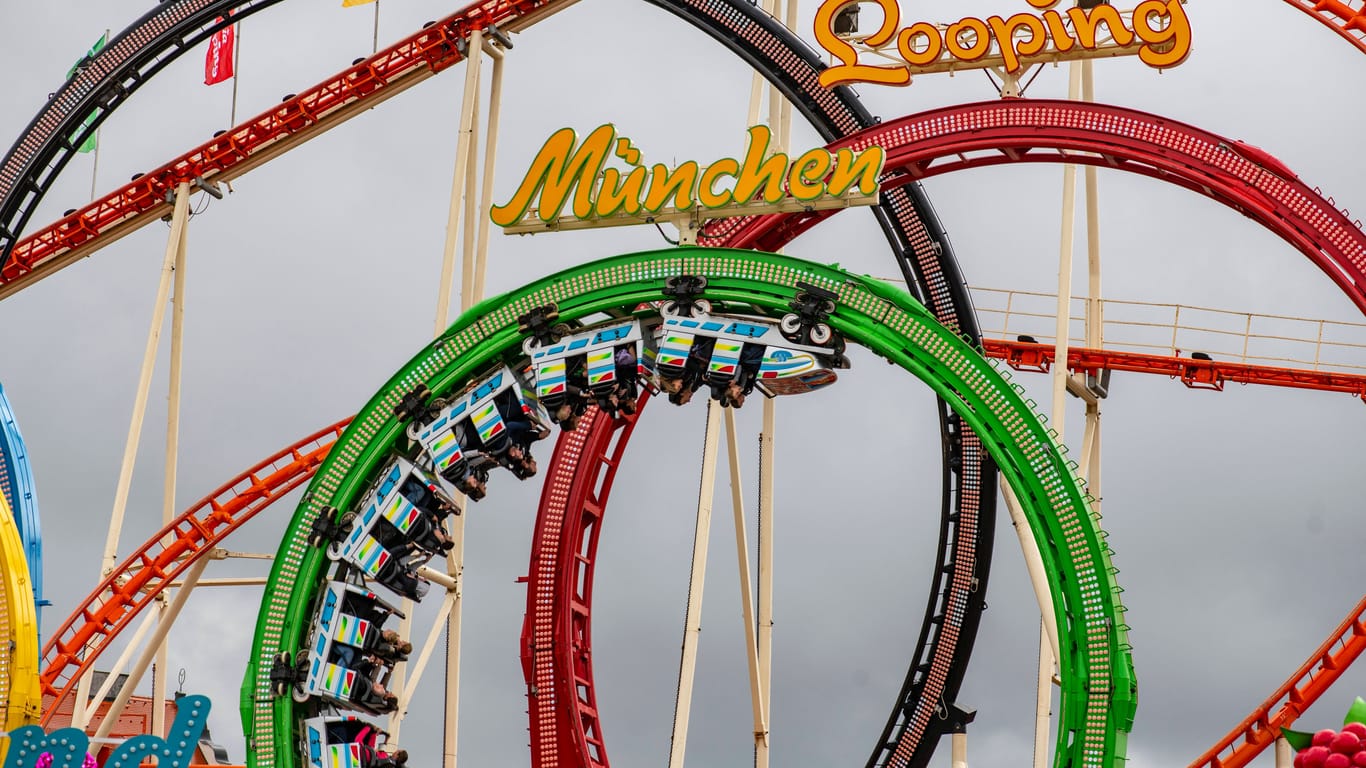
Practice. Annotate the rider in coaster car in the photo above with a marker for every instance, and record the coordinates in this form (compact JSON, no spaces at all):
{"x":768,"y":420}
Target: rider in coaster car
{"x":373,"y":758}
{"x":399,"y":573}
{"x":386,"y":644}
{"x":575,"y":398}
{"x":368,"y":691}
{"x":427,"y":529}
{"x":472,"y":478}
{"x":734,"y":391}
{"x":521,"y":432}
{"x":694,"y":371}
{"x":624,"y":393}
{"x":352,"y":731}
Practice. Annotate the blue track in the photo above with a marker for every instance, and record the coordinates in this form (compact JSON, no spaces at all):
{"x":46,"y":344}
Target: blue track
{"x":16,"y":482}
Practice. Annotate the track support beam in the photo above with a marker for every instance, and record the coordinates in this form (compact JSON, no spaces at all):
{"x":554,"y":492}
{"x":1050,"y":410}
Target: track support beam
{"x":692,"y":621}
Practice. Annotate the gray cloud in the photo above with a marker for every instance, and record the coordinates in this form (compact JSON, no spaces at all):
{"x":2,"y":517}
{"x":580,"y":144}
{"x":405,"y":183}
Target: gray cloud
{"x":1234,"y":516}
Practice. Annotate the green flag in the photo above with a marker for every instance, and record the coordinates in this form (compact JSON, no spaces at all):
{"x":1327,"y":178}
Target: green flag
{"x":89,"y":145}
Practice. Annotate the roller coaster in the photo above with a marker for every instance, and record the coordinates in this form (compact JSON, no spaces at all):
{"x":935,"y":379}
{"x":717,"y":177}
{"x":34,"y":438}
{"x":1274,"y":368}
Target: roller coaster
{"x":306,"y":670}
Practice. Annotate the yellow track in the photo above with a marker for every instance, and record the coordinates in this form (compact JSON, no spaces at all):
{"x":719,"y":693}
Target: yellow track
{"x":21,"y":698}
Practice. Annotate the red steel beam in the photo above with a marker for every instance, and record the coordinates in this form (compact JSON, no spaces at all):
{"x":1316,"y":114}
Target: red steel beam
{"x":262,"y":138}
{"x":1196,"y":374}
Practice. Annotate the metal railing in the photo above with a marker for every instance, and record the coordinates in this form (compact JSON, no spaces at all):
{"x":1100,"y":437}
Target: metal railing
{"x":1180,"y":329}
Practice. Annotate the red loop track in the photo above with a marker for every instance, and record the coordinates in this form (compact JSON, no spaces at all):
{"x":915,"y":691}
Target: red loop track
{"x":1047,"y":131}
{"x":140,"y":577}
{"x":556,"y":635}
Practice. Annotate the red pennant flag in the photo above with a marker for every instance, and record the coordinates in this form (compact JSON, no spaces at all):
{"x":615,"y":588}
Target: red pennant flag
{"x":218,"y":61}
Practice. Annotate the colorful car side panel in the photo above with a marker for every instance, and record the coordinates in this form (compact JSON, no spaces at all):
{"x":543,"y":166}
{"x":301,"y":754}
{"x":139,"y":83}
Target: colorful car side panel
{"x":383,"y":501}
{"x":336,"y":625}
{"x":330,"y":741}
{"x":787,"y":368}
{"x":477,"y":409}
{"x":596,"y":345}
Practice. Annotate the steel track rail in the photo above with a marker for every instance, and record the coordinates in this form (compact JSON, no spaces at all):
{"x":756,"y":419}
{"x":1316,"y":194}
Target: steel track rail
{"x":139,"y":578}
{"x":1098,"y":685}
{"x":16,"y":484}
{"x":557,"y":636}
{"x":1314,"y":677}
{"x":923,"y":252}
{"x":20,"y":698}
{"x":48,"y":143}
{"x":1041,"y":130}
{"x":1194,"y":373}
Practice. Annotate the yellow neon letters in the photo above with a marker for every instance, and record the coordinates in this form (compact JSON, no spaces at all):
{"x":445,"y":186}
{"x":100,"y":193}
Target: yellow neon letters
{"x":1160,"y":29}
{"x":565,"y":170}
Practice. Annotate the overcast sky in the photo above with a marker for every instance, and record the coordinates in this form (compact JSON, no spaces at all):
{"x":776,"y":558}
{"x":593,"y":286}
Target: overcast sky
{"x":1235,"y":517}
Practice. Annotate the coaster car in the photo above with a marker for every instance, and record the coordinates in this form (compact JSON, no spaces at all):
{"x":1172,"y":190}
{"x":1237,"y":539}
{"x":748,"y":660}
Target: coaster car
{"x":717,"y":349}
{"x":346,"y":742}
{"x":349,"y":656}
{"x":400,"y":515}
{"x":488,"y":425}
{"x":602,"y":363}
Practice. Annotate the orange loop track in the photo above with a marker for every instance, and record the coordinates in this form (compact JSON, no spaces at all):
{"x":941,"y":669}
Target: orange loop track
{"x":138,"y":579}
{"x":1345,"y":17}
{"x":1311,"y":680}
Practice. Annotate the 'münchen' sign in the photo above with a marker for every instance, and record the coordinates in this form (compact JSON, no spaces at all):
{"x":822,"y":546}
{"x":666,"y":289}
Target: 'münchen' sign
{"x":566,"y":171}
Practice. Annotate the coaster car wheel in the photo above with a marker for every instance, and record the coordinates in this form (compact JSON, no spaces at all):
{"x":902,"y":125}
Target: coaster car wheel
{"x":343,"y":528}
{"x":413,"y":404}
{"x":284,"y":676}
{"x":821,"y":334}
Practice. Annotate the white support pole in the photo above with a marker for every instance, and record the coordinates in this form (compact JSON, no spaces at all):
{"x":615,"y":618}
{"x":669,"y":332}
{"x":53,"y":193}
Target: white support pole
{"x":959,"y":750}
{"x":79,"y":710}
{"x":467,"y":153}
{"x":406,"y":693}
{"x":158,"y":637}
{"x":455,"y":566}
{"x":149,"y":356}
{"x":467,"y":234}
{"x":692,"y":621}
{"x":765,"y":532}
{"x":462,"y":201}
{"x":172,"y":457}
{"x":785,"y":119}
{"x":1285,"y":756}
{"x":1038,"y":578}
{"x":775,"y":99}
{"x":746,"y":600}
{"x":490,"y":155}
{"x":1095,"y":308}
{"x":1063,"y":327}
{"x":1043,"y":703}
{"x":462,"y":153}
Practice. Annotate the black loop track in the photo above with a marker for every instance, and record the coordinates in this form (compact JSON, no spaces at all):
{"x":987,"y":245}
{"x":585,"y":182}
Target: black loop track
{"x":920,"y":245}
